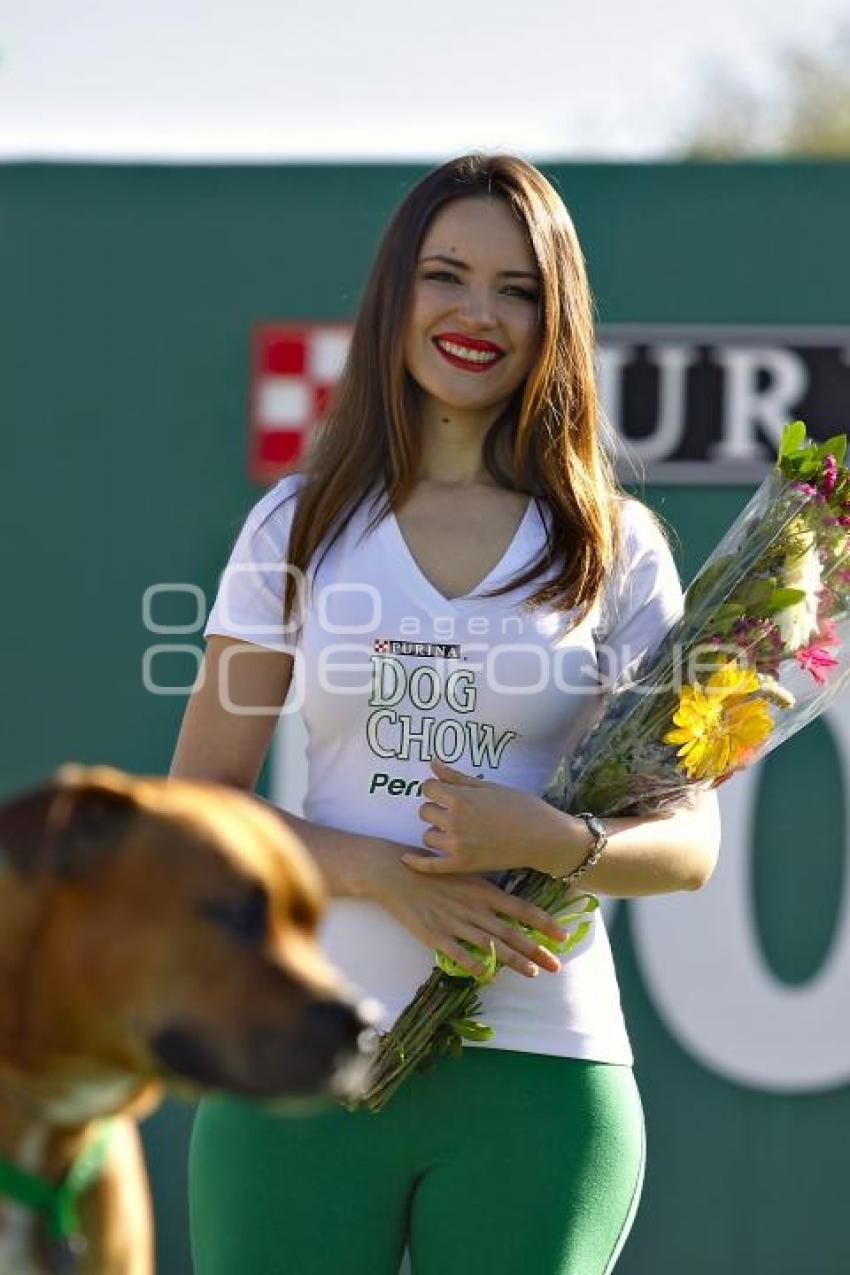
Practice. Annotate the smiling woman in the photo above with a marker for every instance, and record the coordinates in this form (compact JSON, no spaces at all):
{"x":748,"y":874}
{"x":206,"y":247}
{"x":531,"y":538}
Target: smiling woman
{"x":458,"y":474}
{"x":470,"y":312}
{"x":471,"y":362}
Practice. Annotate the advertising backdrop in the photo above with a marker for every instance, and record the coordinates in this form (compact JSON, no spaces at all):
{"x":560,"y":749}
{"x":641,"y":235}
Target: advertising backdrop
{"x":131,"y":305}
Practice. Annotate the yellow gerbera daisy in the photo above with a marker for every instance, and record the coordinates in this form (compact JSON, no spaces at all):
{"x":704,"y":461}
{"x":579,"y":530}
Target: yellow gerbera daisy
{"x":718,"y":724}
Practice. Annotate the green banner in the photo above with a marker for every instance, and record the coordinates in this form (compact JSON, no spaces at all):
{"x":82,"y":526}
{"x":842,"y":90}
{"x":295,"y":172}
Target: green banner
{"x":129,"y":298}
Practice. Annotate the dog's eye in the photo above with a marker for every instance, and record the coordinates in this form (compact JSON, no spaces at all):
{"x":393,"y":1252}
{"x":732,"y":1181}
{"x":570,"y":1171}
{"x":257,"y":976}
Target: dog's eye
{"x":246,"y":918}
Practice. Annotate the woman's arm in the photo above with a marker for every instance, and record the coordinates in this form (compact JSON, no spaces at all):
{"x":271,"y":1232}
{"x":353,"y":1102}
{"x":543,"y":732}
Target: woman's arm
{"x":674,"y":851}
{"x":479,"y":826}
{"x":350,"y":863}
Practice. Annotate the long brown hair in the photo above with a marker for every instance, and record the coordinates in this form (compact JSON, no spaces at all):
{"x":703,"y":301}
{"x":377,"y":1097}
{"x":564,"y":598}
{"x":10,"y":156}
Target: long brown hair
{"x":369,"y":437}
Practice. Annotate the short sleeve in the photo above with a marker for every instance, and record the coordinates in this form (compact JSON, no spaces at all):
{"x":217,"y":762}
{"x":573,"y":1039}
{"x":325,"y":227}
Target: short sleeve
{"x":645,"y":597}
{"x":249,"y":601}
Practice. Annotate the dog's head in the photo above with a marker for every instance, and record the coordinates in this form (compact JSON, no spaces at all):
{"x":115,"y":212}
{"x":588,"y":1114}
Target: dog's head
{"x":167,"y":928}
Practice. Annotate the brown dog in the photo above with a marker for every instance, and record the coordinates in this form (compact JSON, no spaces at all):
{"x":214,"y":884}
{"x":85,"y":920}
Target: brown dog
{"x":153,"y":933}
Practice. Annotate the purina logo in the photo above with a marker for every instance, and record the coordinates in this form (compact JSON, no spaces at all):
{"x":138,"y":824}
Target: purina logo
{"x":688,"y":403}
{"x":294,"y":368}
{"x":434,"y":650}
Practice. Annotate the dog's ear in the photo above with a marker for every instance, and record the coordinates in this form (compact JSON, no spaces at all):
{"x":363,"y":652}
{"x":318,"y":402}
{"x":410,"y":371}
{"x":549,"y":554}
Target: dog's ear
{"x":66,"y":826}
{"x":23,"y":824}
{"x":93,"y":811}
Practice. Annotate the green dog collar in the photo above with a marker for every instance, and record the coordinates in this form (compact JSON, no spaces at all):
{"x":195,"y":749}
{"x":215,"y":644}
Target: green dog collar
{"x":57,"y":1202}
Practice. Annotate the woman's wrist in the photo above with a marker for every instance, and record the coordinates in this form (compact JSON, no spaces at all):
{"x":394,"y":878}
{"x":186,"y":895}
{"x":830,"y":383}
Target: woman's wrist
{"x":564,"y":844}
{"x":351,"y":865}
{"x":372,"y":871}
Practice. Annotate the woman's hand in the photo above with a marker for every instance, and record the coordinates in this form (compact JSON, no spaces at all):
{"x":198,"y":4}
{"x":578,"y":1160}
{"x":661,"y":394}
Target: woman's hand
{"x":442,"y":911}
{"x":479,"y":826}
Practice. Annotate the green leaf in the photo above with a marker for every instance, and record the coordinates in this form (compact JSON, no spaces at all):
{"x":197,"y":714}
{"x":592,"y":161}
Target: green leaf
{"x":706,"y":580}
{"x":782,"y":598}
{"x":573,"y":912}
{"x":835,"y":446}
{"x":456,"y":970}
{"x":470,"y":1029}
{"x":565,"y":919}
{"x":720,"y":622}
{"x":757,"y":593}
{"x":589,"y":903}
{"x":728,"y":611}
{"x":574,"y":939}
{"x":793,"y":436}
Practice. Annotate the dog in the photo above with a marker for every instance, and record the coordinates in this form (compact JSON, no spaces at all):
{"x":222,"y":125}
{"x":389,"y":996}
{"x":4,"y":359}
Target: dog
{"x":155,"y":933}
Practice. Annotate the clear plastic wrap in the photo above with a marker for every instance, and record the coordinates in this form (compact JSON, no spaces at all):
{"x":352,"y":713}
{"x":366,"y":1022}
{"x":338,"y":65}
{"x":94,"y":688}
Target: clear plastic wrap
{"x":761,"y":649}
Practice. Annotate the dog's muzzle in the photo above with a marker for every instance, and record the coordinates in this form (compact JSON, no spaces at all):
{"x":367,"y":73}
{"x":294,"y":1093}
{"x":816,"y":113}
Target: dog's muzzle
{"x":325,"y":1050}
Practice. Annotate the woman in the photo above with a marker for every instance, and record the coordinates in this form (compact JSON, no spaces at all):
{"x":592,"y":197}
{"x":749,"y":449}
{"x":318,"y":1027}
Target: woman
{"x":471,"y":575}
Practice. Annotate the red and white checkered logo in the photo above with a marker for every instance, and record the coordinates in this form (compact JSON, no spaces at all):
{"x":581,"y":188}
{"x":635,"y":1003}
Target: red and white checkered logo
{"x":380,"y":646}
{"x":294,"y":367}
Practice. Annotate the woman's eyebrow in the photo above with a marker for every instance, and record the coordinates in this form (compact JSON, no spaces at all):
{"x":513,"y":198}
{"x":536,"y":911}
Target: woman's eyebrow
{"x":461,"y":265}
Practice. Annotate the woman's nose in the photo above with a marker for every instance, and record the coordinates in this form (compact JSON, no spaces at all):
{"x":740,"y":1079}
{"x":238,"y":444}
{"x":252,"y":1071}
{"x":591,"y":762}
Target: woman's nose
{"x":477,"y":306}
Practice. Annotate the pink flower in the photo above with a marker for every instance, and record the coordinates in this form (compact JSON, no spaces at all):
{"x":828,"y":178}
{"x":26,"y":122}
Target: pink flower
{"x":816,"y":660}
{"x":829,"y":474}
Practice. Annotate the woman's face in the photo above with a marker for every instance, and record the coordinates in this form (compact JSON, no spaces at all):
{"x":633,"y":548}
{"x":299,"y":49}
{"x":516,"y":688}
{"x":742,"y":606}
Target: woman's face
{"x":472,"y":336}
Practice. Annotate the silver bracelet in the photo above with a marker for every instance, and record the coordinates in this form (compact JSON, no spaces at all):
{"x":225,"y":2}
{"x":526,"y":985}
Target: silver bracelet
{"x":598,"y":831}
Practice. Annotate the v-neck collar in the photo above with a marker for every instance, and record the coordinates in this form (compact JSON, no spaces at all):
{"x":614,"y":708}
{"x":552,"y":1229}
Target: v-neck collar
{"x":400,"y":550}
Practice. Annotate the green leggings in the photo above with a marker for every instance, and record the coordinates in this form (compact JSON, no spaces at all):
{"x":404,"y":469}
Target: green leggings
{"x":496,"y":1161}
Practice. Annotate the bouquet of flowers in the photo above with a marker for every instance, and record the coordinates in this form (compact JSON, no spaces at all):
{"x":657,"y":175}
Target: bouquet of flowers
{"x":760,"y":650}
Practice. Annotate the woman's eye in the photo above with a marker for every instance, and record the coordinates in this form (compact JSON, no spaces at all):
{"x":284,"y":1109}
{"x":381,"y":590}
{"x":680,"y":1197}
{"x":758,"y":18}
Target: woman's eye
{"x":513,"y":288}
{"x":440,"y":274}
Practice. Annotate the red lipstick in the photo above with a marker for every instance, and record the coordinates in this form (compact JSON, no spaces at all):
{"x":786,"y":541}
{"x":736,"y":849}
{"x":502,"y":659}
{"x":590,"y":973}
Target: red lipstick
{"x":471,"y":342}
{"x":482,"y":354}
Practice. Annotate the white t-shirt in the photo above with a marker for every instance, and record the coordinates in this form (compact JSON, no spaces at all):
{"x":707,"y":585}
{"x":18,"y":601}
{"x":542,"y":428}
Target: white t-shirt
{"x":389,"y":673}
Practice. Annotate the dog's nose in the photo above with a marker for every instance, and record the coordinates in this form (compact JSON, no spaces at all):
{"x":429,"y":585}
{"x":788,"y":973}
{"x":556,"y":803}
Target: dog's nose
{"x":322,"y":1050}
{"x":332,"y":1025}
{"x":341,"y":1034}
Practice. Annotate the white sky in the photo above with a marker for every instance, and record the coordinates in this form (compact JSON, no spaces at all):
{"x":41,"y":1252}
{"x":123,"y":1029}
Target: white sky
{"x":342,"y":79}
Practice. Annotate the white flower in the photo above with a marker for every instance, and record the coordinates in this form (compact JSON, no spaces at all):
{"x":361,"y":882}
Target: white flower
{"x":802,"y":570}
